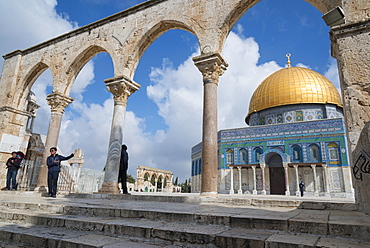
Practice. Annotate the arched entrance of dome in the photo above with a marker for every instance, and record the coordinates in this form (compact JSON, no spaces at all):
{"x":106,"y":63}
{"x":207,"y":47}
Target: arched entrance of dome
{"x":277,"y":174}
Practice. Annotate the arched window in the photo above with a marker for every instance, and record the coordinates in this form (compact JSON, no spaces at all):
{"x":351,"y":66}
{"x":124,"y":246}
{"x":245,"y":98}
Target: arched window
{"x":315,"y":153}
{"x":257,"y":154}
{"x":243,"y":154}
{"x":229,"y":156}
{"x":333,"y":151}
{"x":296,"y":154}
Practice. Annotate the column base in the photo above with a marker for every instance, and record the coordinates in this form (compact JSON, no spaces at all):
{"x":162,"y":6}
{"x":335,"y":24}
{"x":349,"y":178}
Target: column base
{"x":109,"y":188}
{"x":316,"y":193}
{"x":263,"y":192}
{"x":41,"y":189}
{"x":287,"y":192}
{"x":254,"y":192}
{"x":297,"y":193}
{"x":240,"y":192}
{"x":209,"y":194}
{"x":231,"y":192}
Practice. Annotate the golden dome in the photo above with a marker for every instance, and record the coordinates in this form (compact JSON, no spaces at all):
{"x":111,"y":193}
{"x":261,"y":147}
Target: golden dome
{"x":293,"y":85}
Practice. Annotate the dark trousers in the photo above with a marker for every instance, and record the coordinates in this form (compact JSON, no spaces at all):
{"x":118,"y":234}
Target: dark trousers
{"x":11,"y":175}
{"x":302,"y":190}
{"x":122,"y":175}
{"x":52,"y":182}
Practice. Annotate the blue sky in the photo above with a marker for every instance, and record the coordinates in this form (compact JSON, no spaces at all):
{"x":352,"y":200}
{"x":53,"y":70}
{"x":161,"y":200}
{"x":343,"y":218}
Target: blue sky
{"x":163,"y":119}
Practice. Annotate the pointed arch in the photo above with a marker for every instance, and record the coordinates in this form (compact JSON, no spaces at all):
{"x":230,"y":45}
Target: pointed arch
{"x":79,"y":62}
{"x":30,"y":77}
{"x":154,"y":33}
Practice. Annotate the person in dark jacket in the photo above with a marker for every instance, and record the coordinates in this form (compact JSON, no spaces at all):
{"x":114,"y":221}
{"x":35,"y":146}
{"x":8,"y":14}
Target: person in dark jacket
{"x":301,"y":187}
{"x":123,"y":166}
{"x":53,"y":163}
{"x":12,"y":164}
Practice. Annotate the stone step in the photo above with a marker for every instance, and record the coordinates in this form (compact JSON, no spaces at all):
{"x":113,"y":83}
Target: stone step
{"x":28,"y":235}
{"x":351,"y":224}
{"x":106,"y":222}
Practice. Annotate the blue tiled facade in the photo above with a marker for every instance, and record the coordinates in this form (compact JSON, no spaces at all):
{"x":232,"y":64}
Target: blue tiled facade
{"x":294,"y":142}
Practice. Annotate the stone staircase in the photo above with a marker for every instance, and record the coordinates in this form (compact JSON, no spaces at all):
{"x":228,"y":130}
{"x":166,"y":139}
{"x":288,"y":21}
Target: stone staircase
{"x":113,"y":221}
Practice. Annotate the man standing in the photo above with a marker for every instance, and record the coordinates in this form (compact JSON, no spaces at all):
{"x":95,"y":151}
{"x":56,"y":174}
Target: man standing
{"x":53,"y":163}
{"x":13,"y":164}
{"x":123,"y":166}
{"x":301,"y":187}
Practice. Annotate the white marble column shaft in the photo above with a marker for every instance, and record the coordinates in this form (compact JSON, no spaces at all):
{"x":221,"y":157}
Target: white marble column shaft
{"x":297,"y":192}
{"x":240,"y":191}
{"x":121,"y":88}
{"x":231,"y":180}
{"x":254,"y":181}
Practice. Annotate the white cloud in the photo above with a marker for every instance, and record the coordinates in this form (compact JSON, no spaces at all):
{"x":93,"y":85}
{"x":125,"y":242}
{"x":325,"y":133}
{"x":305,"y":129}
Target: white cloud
{"x":26,"y":23}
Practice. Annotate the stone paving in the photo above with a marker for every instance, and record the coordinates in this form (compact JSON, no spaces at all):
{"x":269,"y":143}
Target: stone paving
{"x":28,"y":219}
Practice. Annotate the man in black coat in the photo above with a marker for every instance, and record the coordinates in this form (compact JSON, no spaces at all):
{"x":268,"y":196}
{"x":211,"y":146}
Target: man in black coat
{"x":13,"y":164}
{"x":123,"y":166}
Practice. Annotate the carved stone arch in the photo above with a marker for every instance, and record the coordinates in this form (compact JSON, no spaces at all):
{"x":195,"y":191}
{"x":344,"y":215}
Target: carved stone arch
{"x":26,"y":83}
{"x":151,"y":35}
{"x":79,"y":62}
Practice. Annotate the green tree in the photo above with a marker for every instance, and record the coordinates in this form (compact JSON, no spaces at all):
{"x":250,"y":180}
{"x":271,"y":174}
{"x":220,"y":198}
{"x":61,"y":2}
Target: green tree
{"x":152,"y":180}
{"x":130,"y":179}
{"x":176,"y":181}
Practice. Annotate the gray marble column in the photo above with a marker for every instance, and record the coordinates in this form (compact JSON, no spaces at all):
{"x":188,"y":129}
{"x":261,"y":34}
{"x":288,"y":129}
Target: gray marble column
{"x":231,"y":180}
{"x":58,"y":103}
{"x":121,"y":88}
{"x":254,"y":181}
{"x":212,"y":66}
{"x":297,"y":192}
{"x":316,"y":192}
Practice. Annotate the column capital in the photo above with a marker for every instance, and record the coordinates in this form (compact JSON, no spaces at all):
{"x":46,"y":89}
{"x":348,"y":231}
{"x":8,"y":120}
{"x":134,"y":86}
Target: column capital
{"x":121,"y":87}
{"x":295,"y":166}
{"x":211,"y":65}
{"x":58,"y":102}
{"x":313,"y":166}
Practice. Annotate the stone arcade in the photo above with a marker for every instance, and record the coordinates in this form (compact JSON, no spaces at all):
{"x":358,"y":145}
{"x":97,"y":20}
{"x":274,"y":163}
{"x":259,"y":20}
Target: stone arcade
{"x":126,"y":35}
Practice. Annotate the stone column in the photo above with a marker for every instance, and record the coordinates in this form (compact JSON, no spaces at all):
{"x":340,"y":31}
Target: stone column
{"x":212,"y":66}
{"x":231,"y":180}
{"x":121,"y":88}
{"x":286,"y":171}
{"x":263,"y":192}
{"x":58,"y":103}
{"x":350,"y":46}
{"x":240,"y":191}
{"x":316,"y":192}
{"x":254,"y":181}
{"x":297,"y":192}
{"x":326,"y":179}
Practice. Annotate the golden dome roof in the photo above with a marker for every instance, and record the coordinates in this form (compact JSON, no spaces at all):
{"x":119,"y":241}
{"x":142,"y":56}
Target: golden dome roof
{"x":293,"y":85}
